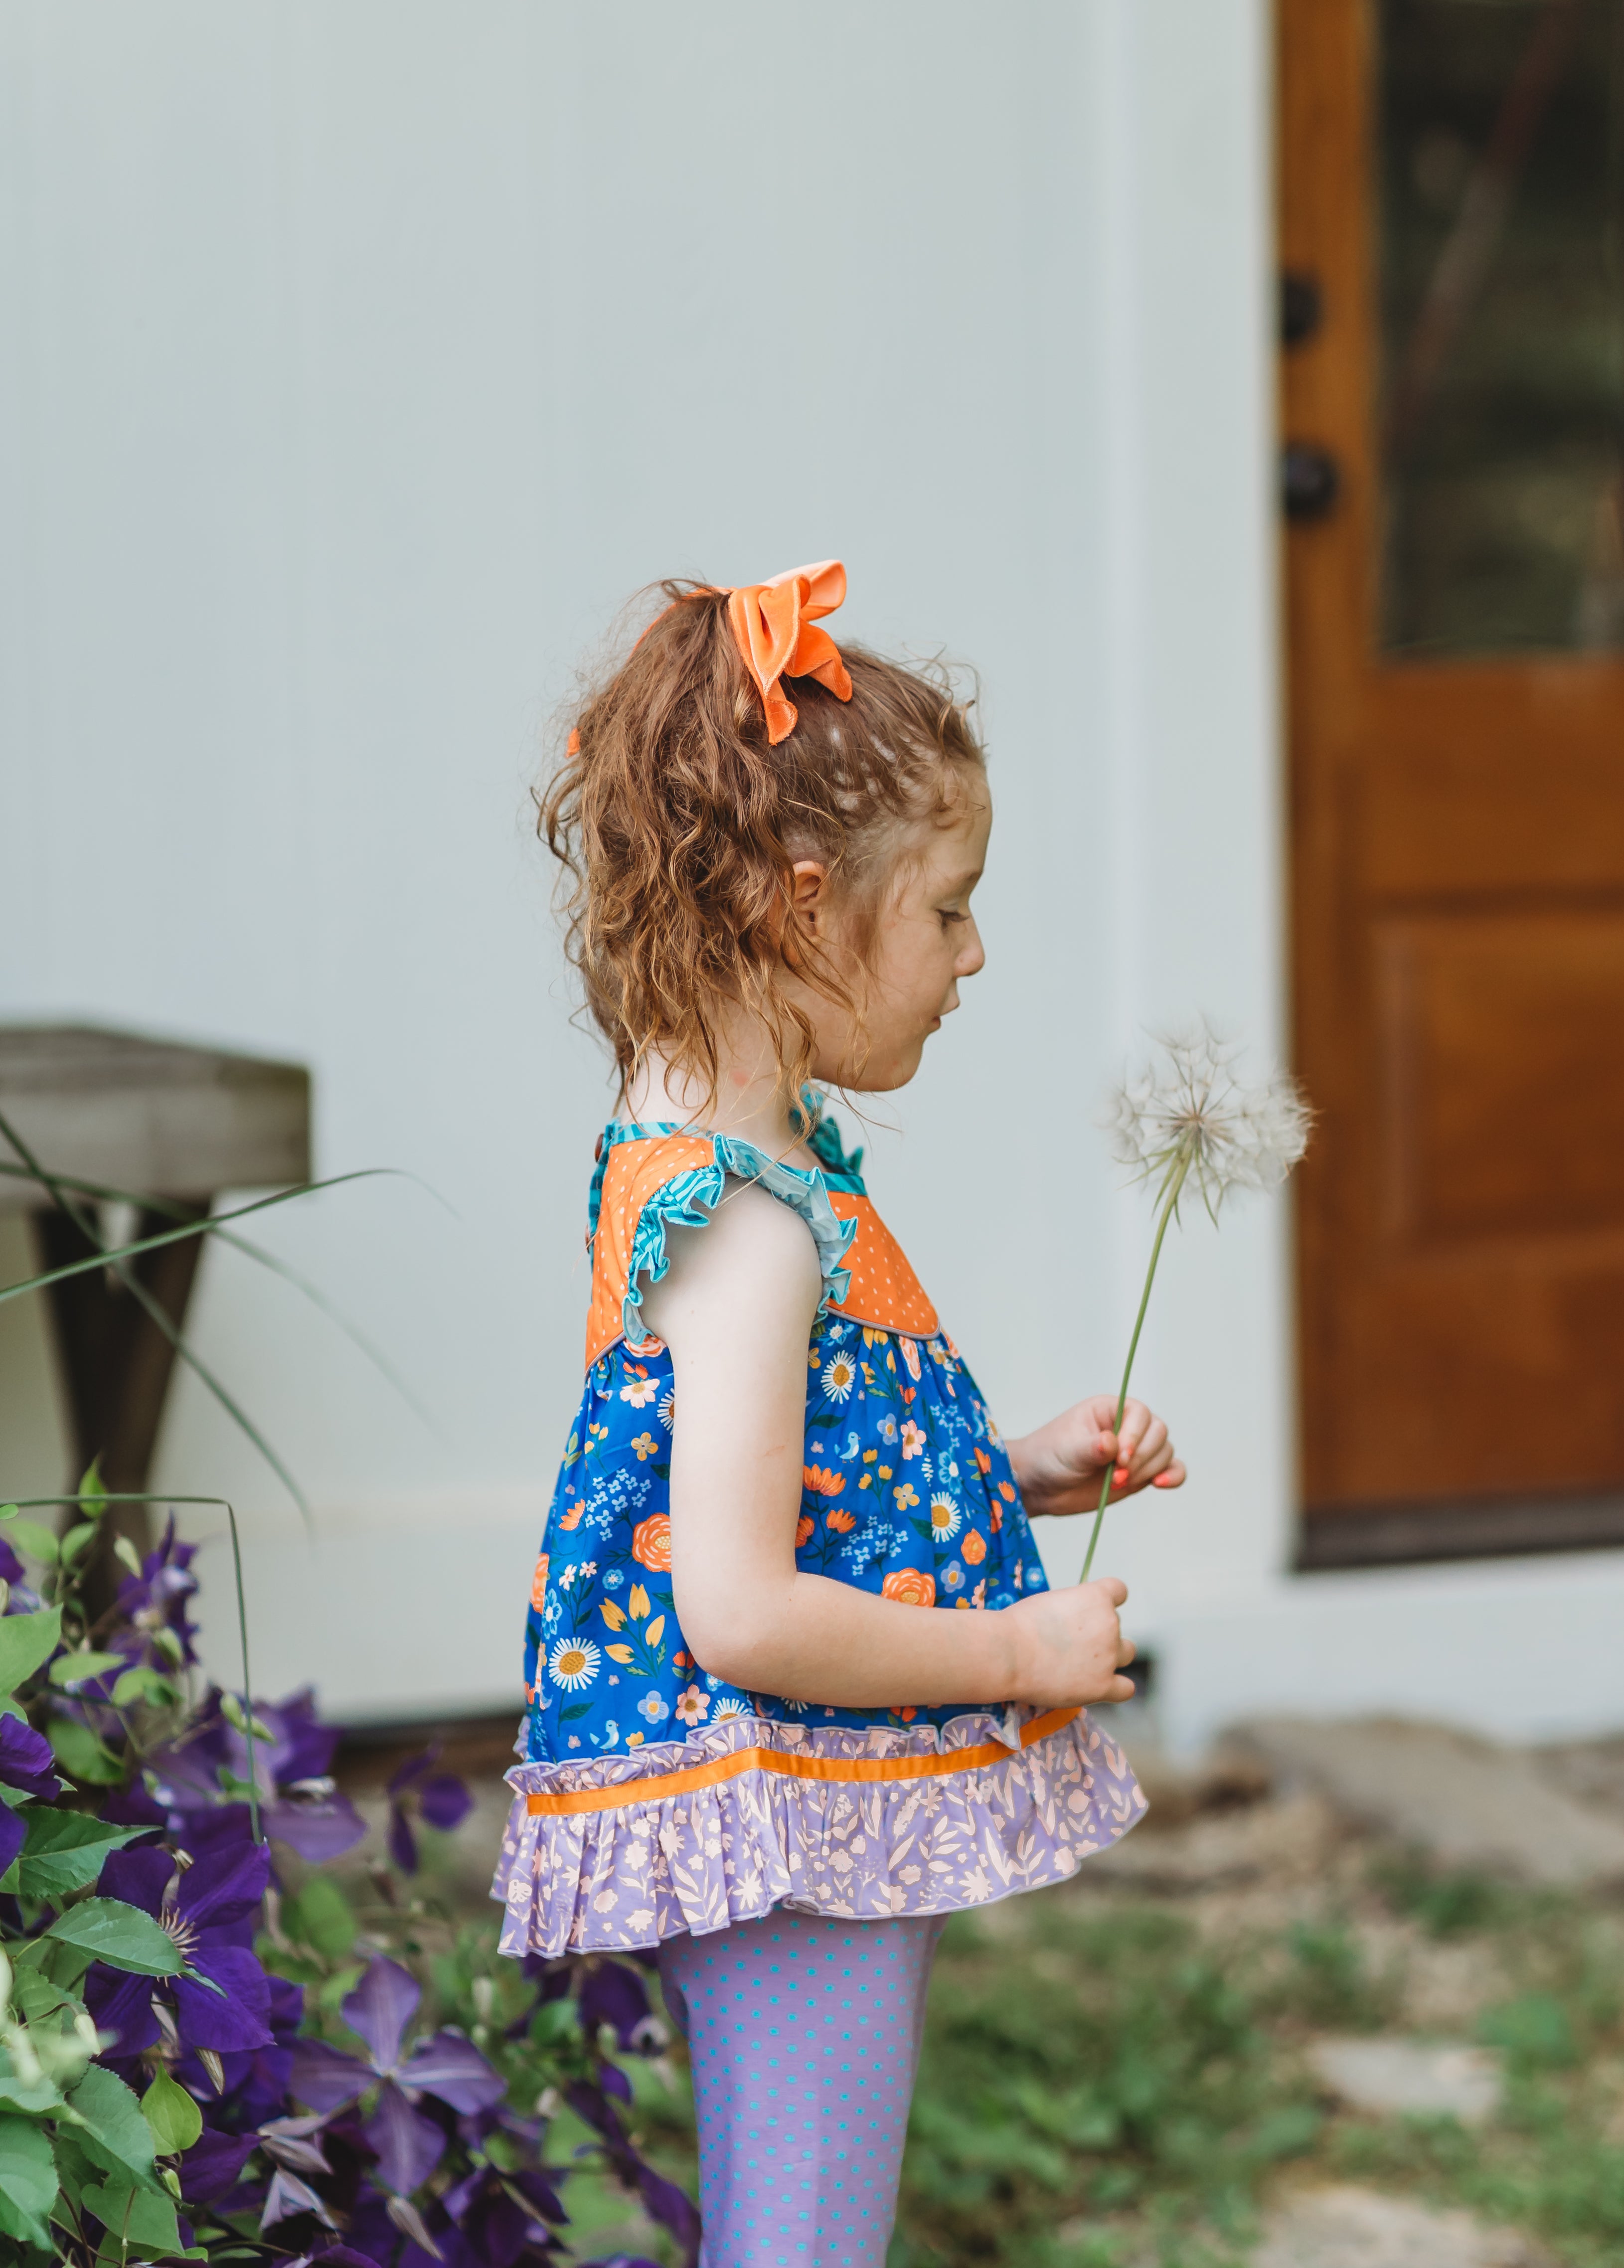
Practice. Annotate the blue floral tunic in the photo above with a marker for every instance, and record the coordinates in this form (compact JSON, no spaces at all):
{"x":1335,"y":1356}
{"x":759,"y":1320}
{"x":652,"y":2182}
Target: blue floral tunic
{"x":636,"y":1760}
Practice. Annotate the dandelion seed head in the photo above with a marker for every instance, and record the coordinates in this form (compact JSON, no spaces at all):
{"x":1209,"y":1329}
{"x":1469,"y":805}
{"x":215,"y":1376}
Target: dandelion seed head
{"x":1186,"y":1116}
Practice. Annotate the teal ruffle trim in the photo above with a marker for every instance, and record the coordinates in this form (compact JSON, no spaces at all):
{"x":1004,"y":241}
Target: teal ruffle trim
{"x":842,"y":1166}
{"x":689,"y":1199}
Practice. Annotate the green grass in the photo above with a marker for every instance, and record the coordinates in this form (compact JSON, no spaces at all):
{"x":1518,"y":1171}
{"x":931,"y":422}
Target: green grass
{"x":1101,"y":2070}
{"x":1102,"y":2086}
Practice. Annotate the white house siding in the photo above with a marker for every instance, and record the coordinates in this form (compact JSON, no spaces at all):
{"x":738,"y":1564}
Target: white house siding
{"x":359,"y":361}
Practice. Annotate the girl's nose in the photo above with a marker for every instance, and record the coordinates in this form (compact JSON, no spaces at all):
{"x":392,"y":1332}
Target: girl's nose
{"x":974,"y":958}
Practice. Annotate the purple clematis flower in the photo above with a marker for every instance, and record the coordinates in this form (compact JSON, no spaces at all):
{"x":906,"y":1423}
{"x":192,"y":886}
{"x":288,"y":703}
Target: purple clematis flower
{"x":208,"y":1910}
{"x":441,"y":1800}
{"x":298,"y":1802}
{"x":254,"y":2087}
{"x":447,"y":2067}
{"x":27,"y":1765}
{"x":212,"y":2168}
{"x":496,"y":2227}
{"x":155,"y":1600}
{"x":612,"y":1992}
{"x":662,"y":2200}
{"x":21,"y":1597}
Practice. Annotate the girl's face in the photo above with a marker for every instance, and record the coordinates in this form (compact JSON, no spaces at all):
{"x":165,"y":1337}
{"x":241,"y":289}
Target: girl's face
{"x":924,"y":942}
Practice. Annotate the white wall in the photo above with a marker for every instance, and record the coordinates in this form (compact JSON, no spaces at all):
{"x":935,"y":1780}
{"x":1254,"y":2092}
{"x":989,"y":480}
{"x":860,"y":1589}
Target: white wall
{"x":360,"y":359}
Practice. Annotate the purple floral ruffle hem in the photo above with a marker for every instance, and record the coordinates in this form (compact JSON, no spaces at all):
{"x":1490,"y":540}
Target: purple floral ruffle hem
{"x":619,"y":1879}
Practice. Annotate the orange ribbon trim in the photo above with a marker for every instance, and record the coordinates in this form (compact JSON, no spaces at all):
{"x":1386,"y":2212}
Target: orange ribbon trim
{"x":792,"y":1767}
{"x":772,"y":623}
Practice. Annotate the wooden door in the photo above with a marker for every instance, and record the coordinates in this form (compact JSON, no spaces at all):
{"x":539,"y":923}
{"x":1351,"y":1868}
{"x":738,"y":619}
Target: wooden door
{"x":1452,"y":190}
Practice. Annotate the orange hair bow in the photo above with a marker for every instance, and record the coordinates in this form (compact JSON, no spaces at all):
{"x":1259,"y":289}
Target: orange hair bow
{"x":772,"y":623}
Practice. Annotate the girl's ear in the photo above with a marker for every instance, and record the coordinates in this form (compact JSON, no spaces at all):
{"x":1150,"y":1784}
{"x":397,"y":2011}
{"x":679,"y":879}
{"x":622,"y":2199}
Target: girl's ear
{"x":809,"y":884}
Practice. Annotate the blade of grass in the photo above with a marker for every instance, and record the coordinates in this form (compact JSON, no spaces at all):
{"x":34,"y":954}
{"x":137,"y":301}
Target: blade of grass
{"x":222,"y":1393}
{"x":110,"y":1256}
{"x":103,"y":1193}
{"x":80,"y":1217}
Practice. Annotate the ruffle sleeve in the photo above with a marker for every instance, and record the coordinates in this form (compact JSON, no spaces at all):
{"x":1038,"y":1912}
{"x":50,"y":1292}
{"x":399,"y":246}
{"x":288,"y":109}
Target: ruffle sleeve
{"x":690,"y":1196}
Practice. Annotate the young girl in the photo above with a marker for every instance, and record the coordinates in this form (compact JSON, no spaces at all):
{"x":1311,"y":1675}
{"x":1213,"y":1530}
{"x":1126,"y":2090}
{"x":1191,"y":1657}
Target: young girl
{"x":798,"y":1686}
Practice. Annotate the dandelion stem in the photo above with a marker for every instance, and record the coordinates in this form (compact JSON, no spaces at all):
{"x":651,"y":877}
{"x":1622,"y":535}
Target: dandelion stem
{"x":1179,"y":1166}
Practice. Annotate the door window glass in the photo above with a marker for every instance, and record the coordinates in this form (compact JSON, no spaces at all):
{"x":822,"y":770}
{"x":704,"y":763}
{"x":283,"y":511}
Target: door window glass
{"x":1500,"y":296}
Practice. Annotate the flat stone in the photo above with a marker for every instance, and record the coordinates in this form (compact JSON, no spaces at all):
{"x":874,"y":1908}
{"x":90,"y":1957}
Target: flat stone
{"x":1346,"y":2228}
{"x":1409,"y":2077}
{"x":1467,"y":1802}
{"x":1590,"y":1771}
{"x":1285,"y":1841}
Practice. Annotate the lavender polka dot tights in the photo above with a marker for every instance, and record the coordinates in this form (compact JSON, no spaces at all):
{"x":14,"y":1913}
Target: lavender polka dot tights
{"x":803,"y":2037}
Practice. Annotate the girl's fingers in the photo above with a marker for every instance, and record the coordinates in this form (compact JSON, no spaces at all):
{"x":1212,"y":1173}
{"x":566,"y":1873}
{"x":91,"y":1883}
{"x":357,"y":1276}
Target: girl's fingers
{"x":1141,"y":1455}
{"x":1150,"y":1471}
{"x":1136,"y":1418}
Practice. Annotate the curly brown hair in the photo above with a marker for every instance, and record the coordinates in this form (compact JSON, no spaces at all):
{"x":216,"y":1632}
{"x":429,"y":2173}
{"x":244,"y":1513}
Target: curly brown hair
{"x":677,"y":826}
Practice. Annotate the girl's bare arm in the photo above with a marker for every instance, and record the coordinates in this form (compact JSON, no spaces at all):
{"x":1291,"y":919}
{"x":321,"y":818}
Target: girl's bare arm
{"x":736,"y":1310}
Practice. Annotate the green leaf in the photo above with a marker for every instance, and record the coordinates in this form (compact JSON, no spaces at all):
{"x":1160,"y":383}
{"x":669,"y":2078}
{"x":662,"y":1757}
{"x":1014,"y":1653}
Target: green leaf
{"x":38,"y":1995}
{"x":554,"y":2021}
{"x":174,"y":2117}
{"x":93,"y":1491}
{"x":125,"y":1552}
{"x":8,"y":1512}
{"x":231,"y":1710}
{"x":297,"y":1968}
{"x":27,"y":2180}
{"x":64,"y":1852}
{"x":109,"y":2122}
{"x":26,"y":1641}
{"x":70,"y":1669}
{"x":33,"y":1541}
{"x":110,"y":1930}
{"x":144,"y":1684}
{"x":137,"y":2219}
{"x":338,"y":1988}
{"x":79,"y":1751}
{"x":75,"y":1541}
{"x":27,"y":2094}
{"x":321,"y":1916}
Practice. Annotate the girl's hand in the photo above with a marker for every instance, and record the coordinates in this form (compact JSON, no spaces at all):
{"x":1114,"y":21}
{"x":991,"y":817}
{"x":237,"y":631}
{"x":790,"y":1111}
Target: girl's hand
{"x":1069,"y":1646}
{"x":1060,"y":1466}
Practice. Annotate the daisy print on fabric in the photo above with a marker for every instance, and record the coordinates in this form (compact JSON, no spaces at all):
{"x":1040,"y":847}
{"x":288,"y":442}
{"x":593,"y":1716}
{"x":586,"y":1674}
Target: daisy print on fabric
{"x":574,"y":1662}
{"x":946,"y":1519}
{"x":840,"y":1376}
